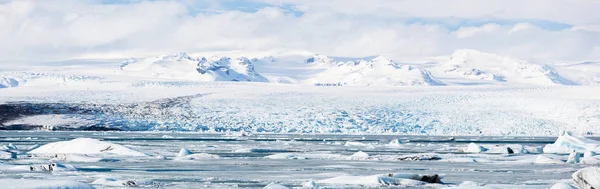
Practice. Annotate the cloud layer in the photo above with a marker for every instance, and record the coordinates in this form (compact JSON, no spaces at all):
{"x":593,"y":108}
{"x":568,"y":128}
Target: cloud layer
{"x":62,"y":29}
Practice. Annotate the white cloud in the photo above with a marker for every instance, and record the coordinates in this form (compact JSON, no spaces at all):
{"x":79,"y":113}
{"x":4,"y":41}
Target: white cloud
{"x":40,"y":30}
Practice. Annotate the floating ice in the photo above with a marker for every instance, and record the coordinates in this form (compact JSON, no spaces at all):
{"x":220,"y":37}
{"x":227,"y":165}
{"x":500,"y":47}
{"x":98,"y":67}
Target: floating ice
{"x":86,"y":146}
{"x":563,"y":186}
{"x":126,"y":183}
{"x":185,"y":154}
{"x":311,"y":184}
{"x":395,"y":142}
{"x":567,"y":142}
{"x":474,"y":148}
{"x":541,"y":159}
{"x":587,"y":178}
{"x":275,"y":186}
{"x":574,"y":157}
{"x":51,"y":167}
{"x":45,"y":184}
{"x":357,"y":144}
{"x":398,"y":179}
{"x":306,"y":156}
{"x":360,"y":155}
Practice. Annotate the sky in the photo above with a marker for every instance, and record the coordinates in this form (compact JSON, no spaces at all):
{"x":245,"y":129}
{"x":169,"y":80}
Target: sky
{"x":36,"y":30}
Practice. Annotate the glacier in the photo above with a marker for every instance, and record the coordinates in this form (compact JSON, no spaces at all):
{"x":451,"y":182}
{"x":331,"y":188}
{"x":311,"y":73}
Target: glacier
{"x":466,"y":93}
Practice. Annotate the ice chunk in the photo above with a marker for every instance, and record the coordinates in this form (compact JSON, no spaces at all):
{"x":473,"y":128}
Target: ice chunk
{"x":566,"y":143}
{"x":398,"y":179}
{"x":86,"y":146}
{"x":360,"y":155}
{"x":541,"y":159}
{"x":574,"y":157}
{"x":563,"y":186}
{"x":395,"y":142}
{"x":587,"y":178}
{"x":184,"y":152}
{"x":275,"y":186}
{"x":474,"y":148}
{"x":311,"y":184}
{"x":126,"y":183}
{"x":198,"y":156}
{"x":46,"y":184}
{"x":357,"y":144}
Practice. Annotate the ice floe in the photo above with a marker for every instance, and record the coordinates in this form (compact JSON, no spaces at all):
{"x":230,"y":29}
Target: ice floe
{"x":45,"y":184}
{"x":112,"y":182}
{"x":306,"y":156}
{"x":87,"y":146}
{"x":397,"y":179}
{"x":185,"y":154}
{"x":541,"y":159}
{"x":357,"y":144}
{"x":275,"y":186}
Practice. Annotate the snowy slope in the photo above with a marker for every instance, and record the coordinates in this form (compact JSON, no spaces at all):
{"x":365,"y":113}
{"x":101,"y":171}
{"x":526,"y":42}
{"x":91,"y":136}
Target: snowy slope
{"x":377,"y":71}
{"x":584,"y":73}
{"x":182,"y":66}
{"x":479,"y":66}
{"x":43,"y":79}
{"x":7,"y":81}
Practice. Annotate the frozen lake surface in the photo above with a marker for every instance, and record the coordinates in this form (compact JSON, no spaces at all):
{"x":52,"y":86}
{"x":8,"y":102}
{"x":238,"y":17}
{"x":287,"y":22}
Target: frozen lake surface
{"x":257,"y":160}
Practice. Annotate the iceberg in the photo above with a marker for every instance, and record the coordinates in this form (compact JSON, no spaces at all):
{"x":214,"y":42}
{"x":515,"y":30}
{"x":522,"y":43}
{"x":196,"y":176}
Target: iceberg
{"x":567,"y":142}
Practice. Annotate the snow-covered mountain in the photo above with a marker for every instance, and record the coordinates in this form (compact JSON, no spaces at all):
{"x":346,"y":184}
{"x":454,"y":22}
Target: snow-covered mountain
{"x":185,"y":67}
{"x":463,"y":67}
{"x":476,"y":65}
{"x":378,"y":71}
{"x":6,"y":82}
